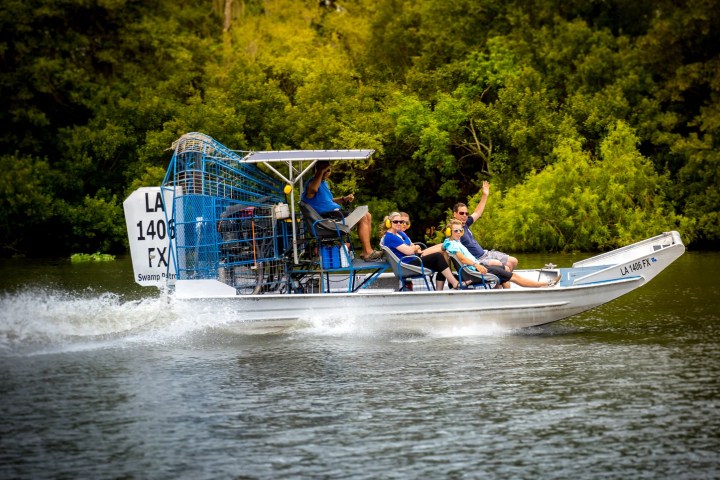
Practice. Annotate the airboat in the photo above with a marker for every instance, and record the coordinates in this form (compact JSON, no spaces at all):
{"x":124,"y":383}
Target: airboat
{"x":226,"y":229}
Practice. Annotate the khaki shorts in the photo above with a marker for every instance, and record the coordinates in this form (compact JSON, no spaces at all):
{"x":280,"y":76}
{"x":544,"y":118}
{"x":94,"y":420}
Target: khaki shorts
{"x":493,"y":255}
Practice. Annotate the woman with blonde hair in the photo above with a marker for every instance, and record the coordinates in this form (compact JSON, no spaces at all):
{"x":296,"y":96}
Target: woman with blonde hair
{"x":401,"y":245}
{"x":454,"y":246}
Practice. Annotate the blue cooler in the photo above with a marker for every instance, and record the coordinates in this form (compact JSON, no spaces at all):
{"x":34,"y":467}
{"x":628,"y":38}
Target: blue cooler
{"x":330,"y":257}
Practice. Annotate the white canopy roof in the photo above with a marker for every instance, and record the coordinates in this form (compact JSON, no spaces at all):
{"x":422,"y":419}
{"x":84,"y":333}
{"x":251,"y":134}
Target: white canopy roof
{"x":306,"y":155}
{"x":298,"y":163}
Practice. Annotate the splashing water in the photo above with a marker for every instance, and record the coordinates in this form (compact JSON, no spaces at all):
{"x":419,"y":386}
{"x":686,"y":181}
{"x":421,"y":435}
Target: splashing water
{"x":43,"y":320}
{"x":46,"y":320}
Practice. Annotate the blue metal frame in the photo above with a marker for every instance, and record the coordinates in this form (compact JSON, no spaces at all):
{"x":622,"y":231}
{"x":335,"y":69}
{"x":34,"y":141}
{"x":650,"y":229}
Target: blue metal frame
{"x":205,"y":179}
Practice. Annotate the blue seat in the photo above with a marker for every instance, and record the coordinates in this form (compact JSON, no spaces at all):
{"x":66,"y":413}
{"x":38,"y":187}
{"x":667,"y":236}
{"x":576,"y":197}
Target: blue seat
{"x":335,"y":234}
{"x":323,"y":228}
{"x":407,"y":271}
{"x":465,"y":273}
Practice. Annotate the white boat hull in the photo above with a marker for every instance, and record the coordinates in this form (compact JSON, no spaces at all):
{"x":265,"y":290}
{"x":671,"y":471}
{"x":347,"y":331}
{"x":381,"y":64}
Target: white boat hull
{"x":508,"y":309}
{"x":586,"y":285}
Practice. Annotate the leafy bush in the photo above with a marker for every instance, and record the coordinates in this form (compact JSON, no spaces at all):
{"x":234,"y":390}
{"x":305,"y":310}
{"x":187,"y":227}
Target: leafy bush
{"x":91,"y":257}
{"x":99,"y":224}
{"x":583,"y":203}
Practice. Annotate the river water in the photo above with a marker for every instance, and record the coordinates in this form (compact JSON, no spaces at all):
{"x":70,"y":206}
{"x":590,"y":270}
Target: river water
{"x":103,"y":379}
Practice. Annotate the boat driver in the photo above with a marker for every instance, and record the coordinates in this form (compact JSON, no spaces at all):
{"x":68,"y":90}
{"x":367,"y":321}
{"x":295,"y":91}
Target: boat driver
{"x":317,"y":194}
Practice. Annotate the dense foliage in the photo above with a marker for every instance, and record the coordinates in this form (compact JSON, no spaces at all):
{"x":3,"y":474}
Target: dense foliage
{"x":597,"y":123}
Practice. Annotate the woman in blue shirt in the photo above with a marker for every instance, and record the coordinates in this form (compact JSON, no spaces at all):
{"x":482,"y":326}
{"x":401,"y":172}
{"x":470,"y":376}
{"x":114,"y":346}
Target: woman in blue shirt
{"x":401,"y":245}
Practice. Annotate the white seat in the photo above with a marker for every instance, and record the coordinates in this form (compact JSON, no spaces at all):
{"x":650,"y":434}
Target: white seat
{"x":406,"y":271}
{"x":465,"y":273}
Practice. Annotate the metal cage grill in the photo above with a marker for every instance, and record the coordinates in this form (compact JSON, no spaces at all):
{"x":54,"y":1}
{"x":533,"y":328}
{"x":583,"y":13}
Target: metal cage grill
{"x":224,"y":217}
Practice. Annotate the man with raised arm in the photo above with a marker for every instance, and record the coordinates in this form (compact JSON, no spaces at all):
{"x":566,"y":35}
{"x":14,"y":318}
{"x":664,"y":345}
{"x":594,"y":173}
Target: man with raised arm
{"x":485,"y":257}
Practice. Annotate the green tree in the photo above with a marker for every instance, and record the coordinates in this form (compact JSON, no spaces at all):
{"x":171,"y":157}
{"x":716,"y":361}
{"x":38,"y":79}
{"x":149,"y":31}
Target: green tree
{"x":447,"y":93}
{"x":26,"y":202}
{"x":584,"y":203}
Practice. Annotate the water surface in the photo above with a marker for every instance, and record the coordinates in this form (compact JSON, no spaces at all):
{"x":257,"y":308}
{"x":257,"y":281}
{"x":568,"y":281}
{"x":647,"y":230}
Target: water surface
{"x":103,"y":379}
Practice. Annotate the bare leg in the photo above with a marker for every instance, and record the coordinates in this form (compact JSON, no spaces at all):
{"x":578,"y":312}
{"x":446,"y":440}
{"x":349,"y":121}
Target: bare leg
{"x":497,"y":263}
{"x":526,"y":282}
{"x":433,"y":249}
{"x":511,"y":264}
{"x":364,"y":228}
{"x":447,"y":273}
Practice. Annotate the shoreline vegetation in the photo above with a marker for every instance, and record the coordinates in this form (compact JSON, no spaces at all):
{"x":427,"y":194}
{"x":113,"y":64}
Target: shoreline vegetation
{"x":597,"y":123}
{"x":91,"y":257}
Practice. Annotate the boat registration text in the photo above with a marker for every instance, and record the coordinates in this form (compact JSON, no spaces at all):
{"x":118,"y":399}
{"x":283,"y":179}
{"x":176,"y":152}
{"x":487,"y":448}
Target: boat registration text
{"x":637,"y":266}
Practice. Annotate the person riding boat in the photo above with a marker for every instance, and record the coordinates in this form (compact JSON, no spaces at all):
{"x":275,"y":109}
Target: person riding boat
{"x":453,"y":245}
{"x":318,"y":195}
{"x":486,"y":257}
{"x":401,"y":245}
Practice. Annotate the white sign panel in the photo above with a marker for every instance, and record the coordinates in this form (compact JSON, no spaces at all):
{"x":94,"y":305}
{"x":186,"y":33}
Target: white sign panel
{"x":149,"y":233}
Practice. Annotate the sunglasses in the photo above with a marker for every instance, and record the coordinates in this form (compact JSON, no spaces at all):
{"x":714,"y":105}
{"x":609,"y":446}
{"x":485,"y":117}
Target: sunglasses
{"x":462,"y":213}
{"x":459,"y":230}
{"x":398,"y":221}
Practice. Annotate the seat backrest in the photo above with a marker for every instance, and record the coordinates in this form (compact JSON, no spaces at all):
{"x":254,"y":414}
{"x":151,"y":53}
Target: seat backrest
{"x":322,"y":228}
{"x":454,"y":260}
{"x":392,"y":259}
{"x":487,"y":279}
{"x":403,"y":270}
